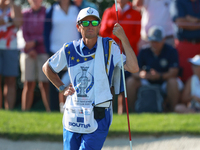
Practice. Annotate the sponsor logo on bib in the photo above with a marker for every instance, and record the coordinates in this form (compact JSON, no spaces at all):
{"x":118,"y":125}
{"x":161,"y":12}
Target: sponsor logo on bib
{"x":80,"y":125}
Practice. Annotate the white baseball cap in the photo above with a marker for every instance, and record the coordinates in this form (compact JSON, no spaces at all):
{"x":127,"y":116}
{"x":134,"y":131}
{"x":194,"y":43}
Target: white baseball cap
{"x":87,"y":12}
{"x":195,"y":60}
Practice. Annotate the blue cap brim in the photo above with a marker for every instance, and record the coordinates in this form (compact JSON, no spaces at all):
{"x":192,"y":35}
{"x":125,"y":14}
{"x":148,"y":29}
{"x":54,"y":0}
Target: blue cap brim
{"x":154,"y":39}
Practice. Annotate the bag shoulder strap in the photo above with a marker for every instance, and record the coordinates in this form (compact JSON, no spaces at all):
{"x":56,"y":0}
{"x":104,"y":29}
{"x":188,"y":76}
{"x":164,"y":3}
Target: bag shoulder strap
{"x":105,"y":42}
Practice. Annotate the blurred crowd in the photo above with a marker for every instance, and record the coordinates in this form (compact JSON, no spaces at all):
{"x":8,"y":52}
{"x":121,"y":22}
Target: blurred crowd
{"x":164,"y":34}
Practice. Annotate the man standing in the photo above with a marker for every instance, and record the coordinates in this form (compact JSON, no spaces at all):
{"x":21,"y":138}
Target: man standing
{"x":186,"y":15}
{"x":87,"y":116}
{"x":129,"y":19}
{"x":33,"y":56}
{"x":10,"y":22}
{"x":155,"y":12}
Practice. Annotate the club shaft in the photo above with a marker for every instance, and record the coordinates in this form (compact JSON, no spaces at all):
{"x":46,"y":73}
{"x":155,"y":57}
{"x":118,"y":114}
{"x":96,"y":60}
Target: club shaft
{"x":127,"y":112}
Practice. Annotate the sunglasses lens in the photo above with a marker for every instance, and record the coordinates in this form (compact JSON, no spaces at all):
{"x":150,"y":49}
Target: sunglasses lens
{"x":95,"y":23}
{"x":85,"y":23}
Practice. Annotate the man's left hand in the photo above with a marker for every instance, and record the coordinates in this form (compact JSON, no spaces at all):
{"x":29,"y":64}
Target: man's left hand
{"x":118,"y":31}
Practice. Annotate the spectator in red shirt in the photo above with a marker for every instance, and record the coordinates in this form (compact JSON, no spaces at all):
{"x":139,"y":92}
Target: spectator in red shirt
{"x":129,"y":19}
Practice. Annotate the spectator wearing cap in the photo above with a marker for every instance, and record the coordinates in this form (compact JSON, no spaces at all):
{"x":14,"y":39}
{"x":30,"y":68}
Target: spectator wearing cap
{"x":186,"y":15}
{"x":191,"y":93}
{"x":158,"y":65}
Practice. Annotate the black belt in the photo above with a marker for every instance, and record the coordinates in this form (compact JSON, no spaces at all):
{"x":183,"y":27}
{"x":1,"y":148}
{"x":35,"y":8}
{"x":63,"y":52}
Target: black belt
{"x":194,"y":41}
{"x":169,"y":37}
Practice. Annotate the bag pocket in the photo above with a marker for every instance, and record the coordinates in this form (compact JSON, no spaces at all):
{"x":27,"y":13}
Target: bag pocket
{"x":99,"y":112}
{"x":79,"y":119}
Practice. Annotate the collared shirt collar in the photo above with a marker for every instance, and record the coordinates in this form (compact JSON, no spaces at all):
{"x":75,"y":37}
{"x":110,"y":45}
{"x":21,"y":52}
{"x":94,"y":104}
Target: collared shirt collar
{"x":84,"y":50}
{"x":126,"y":7}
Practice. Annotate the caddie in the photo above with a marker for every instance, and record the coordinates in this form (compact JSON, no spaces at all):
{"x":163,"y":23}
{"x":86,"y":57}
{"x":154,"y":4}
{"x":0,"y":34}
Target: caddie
{"x":94,"y":65}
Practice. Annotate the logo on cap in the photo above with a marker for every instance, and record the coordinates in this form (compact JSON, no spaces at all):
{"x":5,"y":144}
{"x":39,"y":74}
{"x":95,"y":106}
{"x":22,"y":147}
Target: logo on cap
{"x":90,"y":11}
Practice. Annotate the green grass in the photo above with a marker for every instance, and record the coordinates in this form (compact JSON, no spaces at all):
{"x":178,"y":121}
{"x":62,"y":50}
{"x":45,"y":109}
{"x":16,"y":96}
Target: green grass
{"x":17,"y":125}
{"x":156,"y":124}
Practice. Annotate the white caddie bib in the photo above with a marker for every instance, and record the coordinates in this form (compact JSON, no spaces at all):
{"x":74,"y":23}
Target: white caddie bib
{"x":80,"y":119}
{"x":90,"y":91}
{"x":79,"y":115}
